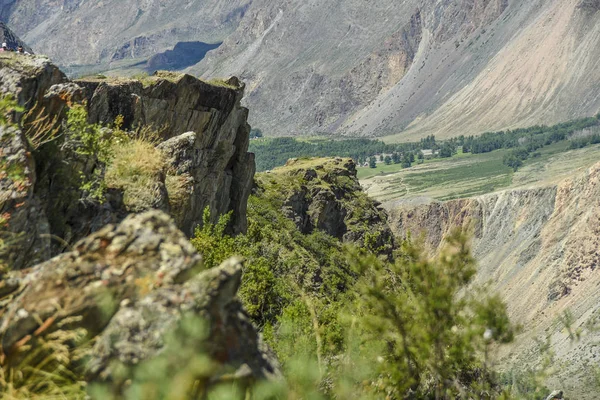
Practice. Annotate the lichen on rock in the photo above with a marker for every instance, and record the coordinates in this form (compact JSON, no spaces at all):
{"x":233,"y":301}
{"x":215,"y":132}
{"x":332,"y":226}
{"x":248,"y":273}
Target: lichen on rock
{"x":128,"y":286}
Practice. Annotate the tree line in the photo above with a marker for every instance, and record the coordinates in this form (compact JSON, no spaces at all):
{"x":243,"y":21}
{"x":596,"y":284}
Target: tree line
{"x":273,"y":152}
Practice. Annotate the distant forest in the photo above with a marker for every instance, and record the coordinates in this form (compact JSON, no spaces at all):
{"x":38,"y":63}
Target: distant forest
{"x":274,"y":152}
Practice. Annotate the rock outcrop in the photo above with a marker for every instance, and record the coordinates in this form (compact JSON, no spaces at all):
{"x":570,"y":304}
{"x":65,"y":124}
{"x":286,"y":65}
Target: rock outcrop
{"x":213,"y":159}
{"x":126,"y":277}
{"x":325,"y":194}
{"x":212,"y":170}
{"x":129,"y":286}
{"x":539,"y":248}
{"x":23,"y":222}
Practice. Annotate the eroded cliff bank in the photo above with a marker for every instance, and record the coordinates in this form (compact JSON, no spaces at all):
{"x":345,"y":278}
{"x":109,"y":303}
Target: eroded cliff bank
{"x":540,"y":249}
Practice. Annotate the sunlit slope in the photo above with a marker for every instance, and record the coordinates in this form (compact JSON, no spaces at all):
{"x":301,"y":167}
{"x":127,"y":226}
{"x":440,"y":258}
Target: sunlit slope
{"x":539,"y":248}
{"x":548,"y":73}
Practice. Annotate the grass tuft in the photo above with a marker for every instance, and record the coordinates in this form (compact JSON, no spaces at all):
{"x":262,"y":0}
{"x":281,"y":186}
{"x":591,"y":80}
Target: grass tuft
{"x":136,"y":167}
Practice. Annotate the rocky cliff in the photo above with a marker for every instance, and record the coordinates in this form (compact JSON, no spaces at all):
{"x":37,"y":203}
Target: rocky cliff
{"x":200,"y":129}
{"x":203,"y":133}
{"x":540,"y":249}
{"x":325,"y":194}
{"x":98,"y":285}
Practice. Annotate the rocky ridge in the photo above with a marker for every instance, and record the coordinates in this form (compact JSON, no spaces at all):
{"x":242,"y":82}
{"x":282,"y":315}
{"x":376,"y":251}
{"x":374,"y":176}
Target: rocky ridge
{"x":213,"y":168}
{"x":539,"y":248}
{"x":204,"y":134}
{"x":128,"y":286}
{"x":325,"y":194}
{"x":121,"y":280}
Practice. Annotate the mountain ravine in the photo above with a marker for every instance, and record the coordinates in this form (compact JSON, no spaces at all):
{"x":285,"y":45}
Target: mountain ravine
{"x":540,"y":249}
{"x":405,"y":69}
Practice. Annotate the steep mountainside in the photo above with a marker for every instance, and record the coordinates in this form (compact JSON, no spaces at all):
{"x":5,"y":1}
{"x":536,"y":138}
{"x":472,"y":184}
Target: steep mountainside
{"x":83,"y":32}
{"x":540,"y":249}
{"x":445,"y":68}
{"x":422,"y":66}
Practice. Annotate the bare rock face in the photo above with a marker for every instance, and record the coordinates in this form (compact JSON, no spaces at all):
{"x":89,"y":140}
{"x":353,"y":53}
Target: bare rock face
{"x":128,"y":286}
{"x":206,"y":137}
{"x":24,"y":229}
{"x":28,"y":78}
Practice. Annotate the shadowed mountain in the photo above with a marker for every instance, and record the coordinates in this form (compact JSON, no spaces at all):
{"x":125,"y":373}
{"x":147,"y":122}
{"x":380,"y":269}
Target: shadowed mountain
{"x":183,"y":55}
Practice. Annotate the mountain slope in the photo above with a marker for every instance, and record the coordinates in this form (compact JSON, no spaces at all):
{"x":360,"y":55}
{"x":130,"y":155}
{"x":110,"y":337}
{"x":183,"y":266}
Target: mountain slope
{"x":86,"y":33}
{"x":445,"y":68}
{"x":399,"y":69}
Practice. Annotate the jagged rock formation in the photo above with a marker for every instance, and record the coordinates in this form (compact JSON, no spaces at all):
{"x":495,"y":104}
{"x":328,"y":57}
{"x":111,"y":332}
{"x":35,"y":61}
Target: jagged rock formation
{"x":214,"y":161}
{"x":22,"y":217}
{"x":325,"y":194}
{"x":539,"y":248}
{"x":215,"y":167}
{"x":150,"y":277}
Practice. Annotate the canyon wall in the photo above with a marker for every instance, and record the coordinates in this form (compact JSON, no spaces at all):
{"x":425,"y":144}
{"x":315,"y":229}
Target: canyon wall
{"x":540,"y":249}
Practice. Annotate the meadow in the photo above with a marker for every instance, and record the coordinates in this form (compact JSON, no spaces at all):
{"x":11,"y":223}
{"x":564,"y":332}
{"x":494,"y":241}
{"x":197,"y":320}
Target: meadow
{"x":467,"y":175}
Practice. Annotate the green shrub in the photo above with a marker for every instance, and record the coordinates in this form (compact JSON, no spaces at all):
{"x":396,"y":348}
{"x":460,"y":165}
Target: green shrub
{"x":212,"y":242}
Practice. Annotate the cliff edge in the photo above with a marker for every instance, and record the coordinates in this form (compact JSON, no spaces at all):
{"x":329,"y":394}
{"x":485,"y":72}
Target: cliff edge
{"x":55,"y":166}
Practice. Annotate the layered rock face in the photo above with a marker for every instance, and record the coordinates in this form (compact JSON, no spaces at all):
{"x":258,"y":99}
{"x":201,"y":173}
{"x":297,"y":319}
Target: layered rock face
{"x":201,"y":127}
{"x":205,"y":137}
{"x":539,"y":248}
